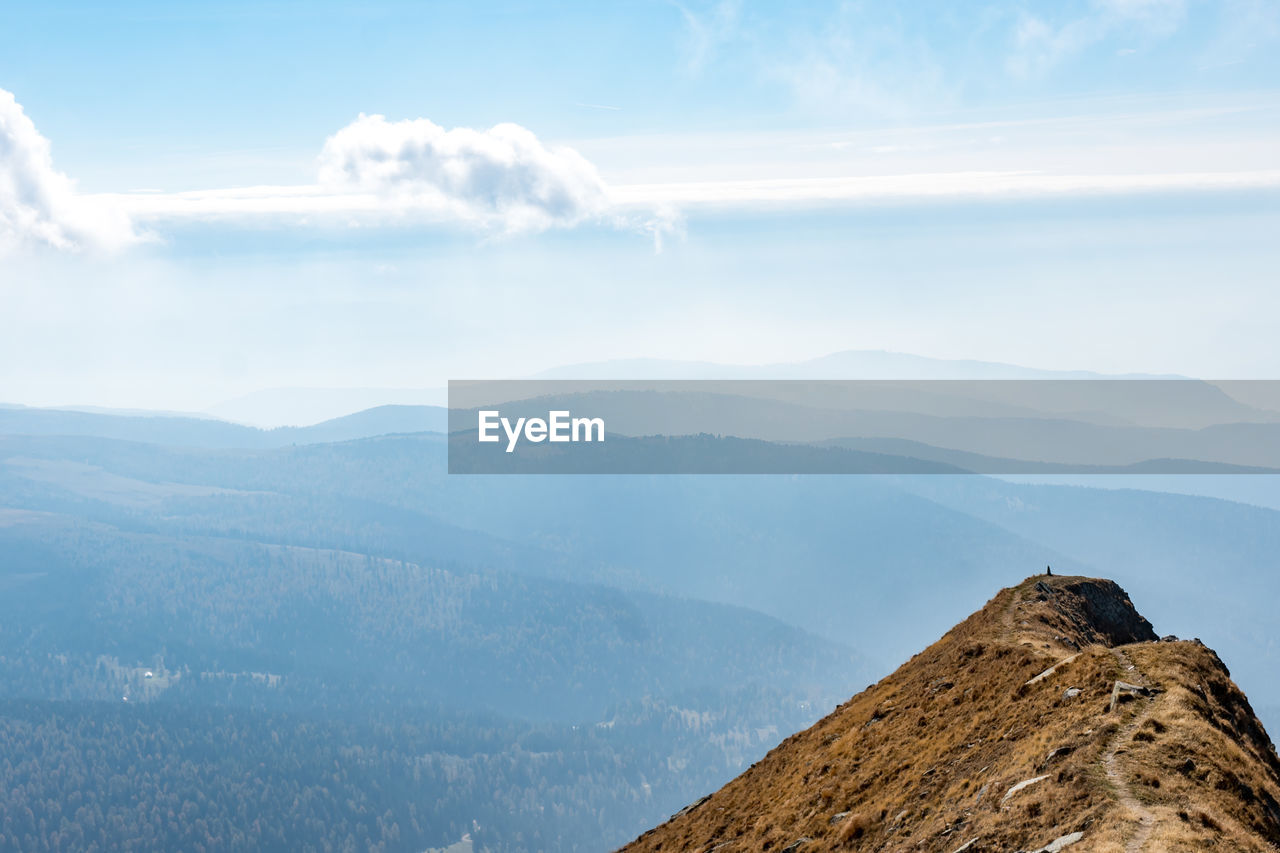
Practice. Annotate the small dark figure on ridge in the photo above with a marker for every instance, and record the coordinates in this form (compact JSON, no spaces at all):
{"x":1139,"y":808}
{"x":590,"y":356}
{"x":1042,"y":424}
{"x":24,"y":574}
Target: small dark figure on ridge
{"x":1048,"y":571}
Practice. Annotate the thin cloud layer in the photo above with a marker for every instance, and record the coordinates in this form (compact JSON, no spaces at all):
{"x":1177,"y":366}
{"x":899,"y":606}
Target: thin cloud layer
{"x":377,"y":173}
{"x":503,"y":178}
{"x":38,"y":204}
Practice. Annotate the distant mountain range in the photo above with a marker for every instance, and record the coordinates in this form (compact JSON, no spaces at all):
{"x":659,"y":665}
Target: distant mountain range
{"x":195,"y":431}
{"x":303,"y":406}
{"x":849,"y":364}
{"x":779,"y":545}
{"x":285,"y":407}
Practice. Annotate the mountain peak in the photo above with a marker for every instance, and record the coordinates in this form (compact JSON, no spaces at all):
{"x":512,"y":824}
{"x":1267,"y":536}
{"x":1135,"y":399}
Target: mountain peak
{"x":1057,"y":611}
{"x":1052,"y":717}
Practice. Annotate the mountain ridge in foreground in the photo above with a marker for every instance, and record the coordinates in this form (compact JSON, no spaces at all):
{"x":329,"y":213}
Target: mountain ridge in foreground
{"x":1051,"y":719}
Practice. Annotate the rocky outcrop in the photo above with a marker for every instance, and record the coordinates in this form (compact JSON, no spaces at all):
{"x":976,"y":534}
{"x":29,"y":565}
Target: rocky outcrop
{"x":1094,"y":611}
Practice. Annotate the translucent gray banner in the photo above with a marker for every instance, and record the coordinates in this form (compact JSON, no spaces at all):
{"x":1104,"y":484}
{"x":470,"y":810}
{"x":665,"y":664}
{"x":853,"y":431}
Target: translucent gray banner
{"x":1085,"y":426}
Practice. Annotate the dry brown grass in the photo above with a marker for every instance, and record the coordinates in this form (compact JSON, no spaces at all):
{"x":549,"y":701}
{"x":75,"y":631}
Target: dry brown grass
{"x":923,"y":760}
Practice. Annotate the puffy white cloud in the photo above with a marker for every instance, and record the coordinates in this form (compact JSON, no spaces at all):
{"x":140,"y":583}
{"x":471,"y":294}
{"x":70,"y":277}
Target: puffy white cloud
{"x":503,"y":178}
{"x":374,"y":172}
{"x":38,"y":204}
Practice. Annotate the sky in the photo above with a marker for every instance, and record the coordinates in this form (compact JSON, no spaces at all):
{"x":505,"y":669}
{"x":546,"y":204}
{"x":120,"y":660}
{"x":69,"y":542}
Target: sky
{"x":200,"y":201}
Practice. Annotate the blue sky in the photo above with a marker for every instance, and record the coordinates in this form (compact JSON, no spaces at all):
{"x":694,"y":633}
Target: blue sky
{"x":198,"y":202}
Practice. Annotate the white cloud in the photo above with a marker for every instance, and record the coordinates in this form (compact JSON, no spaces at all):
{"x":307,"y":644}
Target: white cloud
{"x":38,"y":204}
{"x":656,"y":207}
{"x":503,"y":178}
{"x":1040,"y":45}
{"x":377,"y":172}
{"x":807,"y":192}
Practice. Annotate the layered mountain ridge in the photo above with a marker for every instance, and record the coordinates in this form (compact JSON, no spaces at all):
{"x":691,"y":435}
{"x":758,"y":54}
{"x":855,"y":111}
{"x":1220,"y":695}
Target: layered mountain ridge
{"x":1052,"y":718}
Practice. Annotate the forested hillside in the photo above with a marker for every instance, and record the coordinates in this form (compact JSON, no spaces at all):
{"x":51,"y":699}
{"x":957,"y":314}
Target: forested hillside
{"x":189,"y":666}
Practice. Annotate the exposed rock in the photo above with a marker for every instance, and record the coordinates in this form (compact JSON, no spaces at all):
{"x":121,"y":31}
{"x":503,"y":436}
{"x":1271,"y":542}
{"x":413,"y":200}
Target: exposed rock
{"x":1026,"y":783}
{"x":796,"y":845}
{"x":1060,"y":843}
{"x":691,"y":806}
{"x":1056,"y":753}
{"x":1101,"y":612}
{"x":1123,"y":688}
{"x":1051,"y":670}
{"x":1071,"y":692}
{"x":837,"y":817}
{"x":968,"y":845}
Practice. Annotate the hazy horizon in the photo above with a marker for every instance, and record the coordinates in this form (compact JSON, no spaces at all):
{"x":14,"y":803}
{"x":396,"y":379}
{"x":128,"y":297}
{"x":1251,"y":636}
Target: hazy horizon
{"x":301,"y":406}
